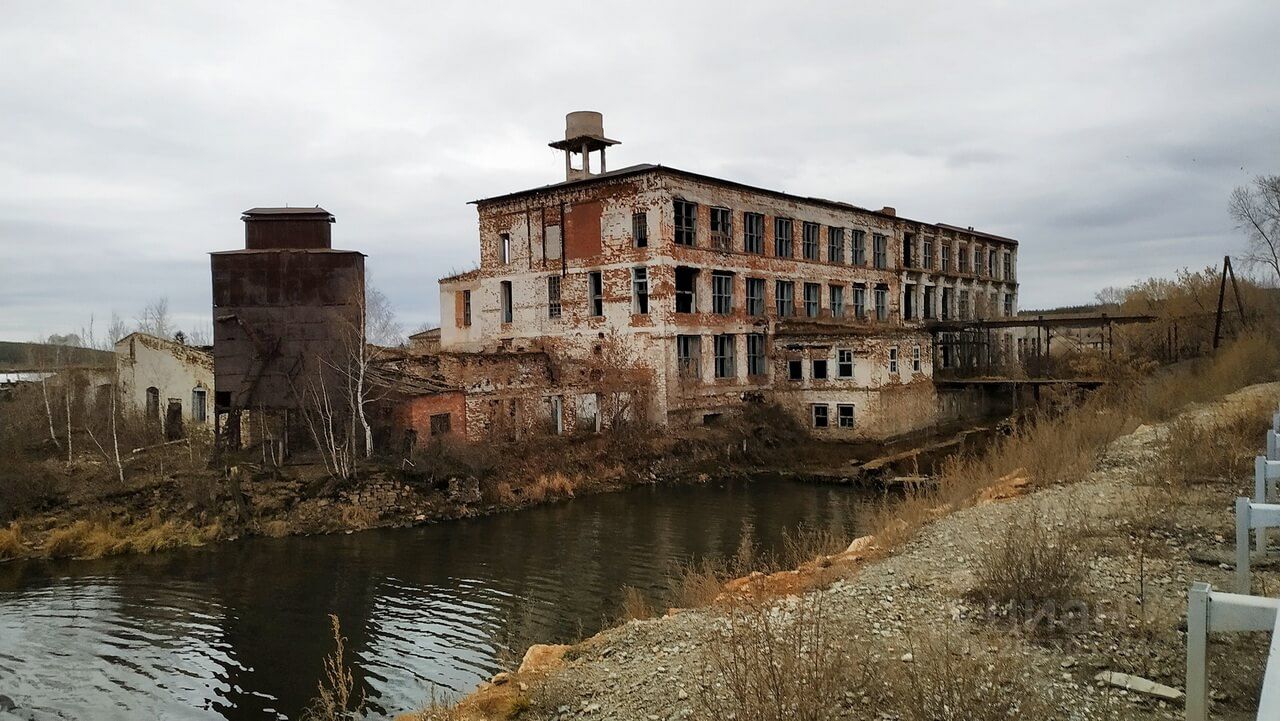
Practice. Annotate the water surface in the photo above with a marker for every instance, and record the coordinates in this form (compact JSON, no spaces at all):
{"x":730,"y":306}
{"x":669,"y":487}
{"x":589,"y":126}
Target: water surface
{"x":239,"y":630}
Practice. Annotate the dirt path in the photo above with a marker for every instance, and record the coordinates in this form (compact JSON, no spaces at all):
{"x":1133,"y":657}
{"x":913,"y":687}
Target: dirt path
{"x":1143,"y":538}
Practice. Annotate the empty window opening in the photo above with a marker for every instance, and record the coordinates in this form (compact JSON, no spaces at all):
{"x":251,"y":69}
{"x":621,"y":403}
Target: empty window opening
{"x":836,"y":298}
{"x":753,"y":233}
{"x":962,"y":259}
{"x":726,"y":365}
{"x":785,"y":295}
{"x":795,"y":370}
{"x":441,"y":424}
{"x":844,"y":363}
{"x":722,"y":293}
{"x":640,"y":291}
{"x":711,"y":419}
{"x":507,"y":312}
{"x":595,"y":286}
{"x":820,"y":411}
{"x":557,"y":414}
{"x":721,"y":228}
{"x":908,"y":301}
{"x":199,"y":405}
{"x":782,"y":237}
{"x":553,"y":297}
{"x":505,"y":240}
{"x":929,"y":292}
{"x":820,"y":369}
{"x":640,"y":229}
{"x":908,"y":250}
{"x":860,"y":301}
{"x":466,"y":308}
{"x":809,"y":240}
{"x":686,"y":223}
{"x":686,"y":289}
{"x":755,"y":296}
{"x":755,"y":354}
{"x":689,"y":356}
{"x":153,"y":404}
{"x":812,"y":299}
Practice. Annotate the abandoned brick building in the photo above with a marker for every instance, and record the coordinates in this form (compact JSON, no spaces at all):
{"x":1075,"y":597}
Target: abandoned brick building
{"x":657,"y":291}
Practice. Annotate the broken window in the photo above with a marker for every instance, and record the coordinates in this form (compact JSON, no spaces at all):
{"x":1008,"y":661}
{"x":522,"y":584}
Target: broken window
{"x":835,"y":245}
{"x":908,"y":301}
{"x":946,"y":303}
{"x":721,"y":228}
{"x":1008,"y":266}
{"x":507,"y":310}
{"x":859,"y":301}
{"x":915,"y":359}
{"x":879,"y":251}
{"x":962,"y":305}
{"x":753,"y":233}
{"x":553,"y":296}
{"x":755,"y":296}
{"x":946,"y":258}
{"x":836,"y":293}
{"x":782,"y":237}
{"x":991,"y":263}
{"x":640,"y":229}
{"x":820,"y":415}
{"x":893,"y":359}
{"x":686,"y":223}
{"x":466,"y":308}
{"x":882,"y":302}
{"x":686,"y":289}
{"x":595,"y":288}
{"x":844,"y":363}
{"x":809,"y":240}
{"x":859,"y":248}
{"x":928,"y":302}
{"x":153,"y":404}
{"x":640,"y":290}
{"x":844,"y":415}
{"x":722,"y":293}
{"x":927,"y":255}
{"x":505,"y":239}
{"x":726,"y":366}
{"x":689,"y":356}
{"x":820,"y":369}
{"x":977,"y":260}
{"x":795,"y":370}
{"x":785,"y":297}
{"x":812,"y":300}
{"x":441,"y":423}
{"x":908,"y":250}
{"x":1008,"y":304}
{"x":755,"y":354}
{"x":962,"y":259}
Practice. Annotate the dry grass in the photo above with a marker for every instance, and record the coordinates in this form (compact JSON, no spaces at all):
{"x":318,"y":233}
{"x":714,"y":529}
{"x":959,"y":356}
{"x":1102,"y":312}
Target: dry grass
{"x":11,"y":545}
{"x":782,"y":661}
{"x":356,"y":517}
{"x":95,"y":538}
{"x":635,"y":605}
{"x":336,"y":694}
{"x":946,"y":680}
{"x":1031,"y":561}
{"x":1220,"y":447}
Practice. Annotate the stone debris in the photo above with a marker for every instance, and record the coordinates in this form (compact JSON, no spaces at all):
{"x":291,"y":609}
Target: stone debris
{"x":1139,"y":684}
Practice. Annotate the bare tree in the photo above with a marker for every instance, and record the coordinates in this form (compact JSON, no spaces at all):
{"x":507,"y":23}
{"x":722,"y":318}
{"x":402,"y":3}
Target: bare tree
{"x":155,"y":320}
{"x":1256,"y":210}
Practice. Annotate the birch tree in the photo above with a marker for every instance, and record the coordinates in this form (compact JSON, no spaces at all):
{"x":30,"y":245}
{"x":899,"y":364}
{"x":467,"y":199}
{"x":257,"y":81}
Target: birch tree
{"x":1256,"y":210}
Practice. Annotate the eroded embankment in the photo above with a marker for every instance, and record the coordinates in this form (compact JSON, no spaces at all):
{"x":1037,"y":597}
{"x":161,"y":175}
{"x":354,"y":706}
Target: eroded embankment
{"x":1152,"y":516}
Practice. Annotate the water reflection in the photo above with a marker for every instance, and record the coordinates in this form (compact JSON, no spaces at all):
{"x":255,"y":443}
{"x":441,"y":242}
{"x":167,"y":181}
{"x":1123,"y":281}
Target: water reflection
{"x":239,"y":631}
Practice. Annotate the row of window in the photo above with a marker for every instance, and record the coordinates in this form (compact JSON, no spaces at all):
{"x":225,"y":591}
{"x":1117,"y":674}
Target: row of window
{"x":786,"y":304}
{"x":811,"y":242}
{"x":724,"y":347}
{"x":820,"y":415}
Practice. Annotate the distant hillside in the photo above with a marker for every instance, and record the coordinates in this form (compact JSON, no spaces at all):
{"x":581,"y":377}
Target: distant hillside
{"x":28,"y":356}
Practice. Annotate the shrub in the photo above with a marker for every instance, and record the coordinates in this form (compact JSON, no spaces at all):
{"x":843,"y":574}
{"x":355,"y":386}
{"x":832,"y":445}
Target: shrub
{"x":11,"y":545}
{"x":1223,"y":447}
{"x":336,"y":694}
{"x":769,"y":662}
{"x":944,"y":680}
{"x":1030,"y":561}
{"x":635,"y":605}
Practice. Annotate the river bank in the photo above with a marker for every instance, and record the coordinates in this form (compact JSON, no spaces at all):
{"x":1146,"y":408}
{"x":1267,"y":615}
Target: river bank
{"x":1151,"y":515}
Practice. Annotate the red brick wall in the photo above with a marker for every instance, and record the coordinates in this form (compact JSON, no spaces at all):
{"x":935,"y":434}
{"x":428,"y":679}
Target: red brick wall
{"x":416,"y":413}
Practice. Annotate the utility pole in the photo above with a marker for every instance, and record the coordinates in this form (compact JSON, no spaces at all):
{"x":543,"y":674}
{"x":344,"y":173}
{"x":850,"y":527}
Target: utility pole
{"x":1222,"y":294}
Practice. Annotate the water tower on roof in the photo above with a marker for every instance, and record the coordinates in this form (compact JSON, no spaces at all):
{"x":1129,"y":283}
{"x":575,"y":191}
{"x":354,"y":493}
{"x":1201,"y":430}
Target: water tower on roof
{"x":583,"y":135}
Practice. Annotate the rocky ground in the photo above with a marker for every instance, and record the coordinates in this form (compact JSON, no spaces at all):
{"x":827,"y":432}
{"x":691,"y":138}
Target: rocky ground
{"x":1146,"y":540}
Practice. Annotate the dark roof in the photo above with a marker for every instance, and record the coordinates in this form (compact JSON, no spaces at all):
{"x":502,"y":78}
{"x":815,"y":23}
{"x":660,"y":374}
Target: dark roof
{"x":287,"y":213}
{"x":251,"y":251}
{"x":978,"y":233}
{"x":649,"y":167}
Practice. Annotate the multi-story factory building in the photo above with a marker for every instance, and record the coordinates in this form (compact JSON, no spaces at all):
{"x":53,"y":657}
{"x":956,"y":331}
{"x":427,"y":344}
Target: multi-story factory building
{"x":720,"y":293}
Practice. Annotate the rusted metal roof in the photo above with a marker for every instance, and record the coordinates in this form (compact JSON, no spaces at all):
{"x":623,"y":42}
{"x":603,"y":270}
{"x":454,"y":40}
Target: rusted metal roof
{"x":283,"y":213}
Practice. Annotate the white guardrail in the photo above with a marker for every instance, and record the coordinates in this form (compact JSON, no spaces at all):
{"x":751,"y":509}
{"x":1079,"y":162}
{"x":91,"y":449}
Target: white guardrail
{"x":1210,"y":611}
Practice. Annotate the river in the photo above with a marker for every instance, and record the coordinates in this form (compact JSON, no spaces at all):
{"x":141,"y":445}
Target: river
{"x":239,"y":630}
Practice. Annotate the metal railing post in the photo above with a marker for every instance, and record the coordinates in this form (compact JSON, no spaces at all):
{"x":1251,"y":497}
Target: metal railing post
{"x":1242,"y":545}
{"x":1197,"y":683}
{"x":1273,"y":447}
{"x":1260,"y":487}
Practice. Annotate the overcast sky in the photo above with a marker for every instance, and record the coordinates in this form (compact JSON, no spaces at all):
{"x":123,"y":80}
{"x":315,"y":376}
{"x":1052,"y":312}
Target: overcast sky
{"x":1105,"y":136}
